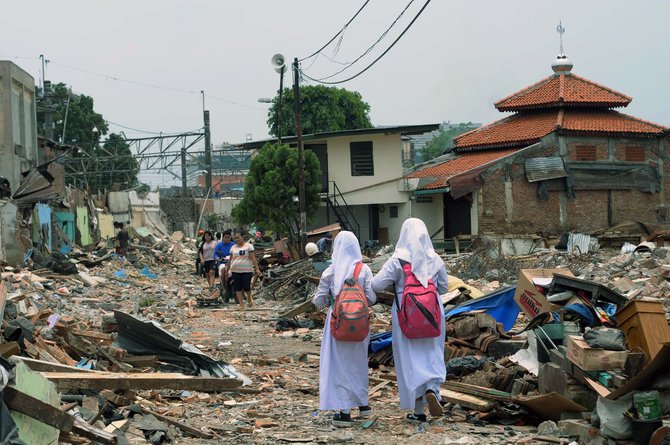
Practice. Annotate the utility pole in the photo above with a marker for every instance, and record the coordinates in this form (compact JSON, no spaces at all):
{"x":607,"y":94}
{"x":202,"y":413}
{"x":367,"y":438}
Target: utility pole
{"x":279,"y":105}
{"x":183,"y":171}
{"x":301,"y":164}
{"x":208,"y":152}
{"x":48,"y":110}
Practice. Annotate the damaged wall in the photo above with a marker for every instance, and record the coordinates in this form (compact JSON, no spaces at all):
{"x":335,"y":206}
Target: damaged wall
{"x":510,"y":204}
{"x":11,"y":250}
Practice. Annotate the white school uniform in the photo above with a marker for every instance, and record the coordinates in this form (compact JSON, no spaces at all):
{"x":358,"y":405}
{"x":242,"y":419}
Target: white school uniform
{"x":343,"y":366}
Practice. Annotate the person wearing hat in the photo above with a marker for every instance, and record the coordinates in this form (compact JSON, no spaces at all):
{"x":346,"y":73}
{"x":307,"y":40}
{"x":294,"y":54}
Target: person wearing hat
{"x":325,"y":243}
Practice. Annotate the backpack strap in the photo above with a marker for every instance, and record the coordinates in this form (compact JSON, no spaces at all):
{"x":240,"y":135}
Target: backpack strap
{"x":407,"y":269}
{"x":357,"y":271}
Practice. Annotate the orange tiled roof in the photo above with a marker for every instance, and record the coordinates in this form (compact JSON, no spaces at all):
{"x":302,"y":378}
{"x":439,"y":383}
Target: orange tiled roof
{"x":563,"y":90}
{"x":518,"y":130}
{"x":526,"y":128}
{"x":448,"y":169}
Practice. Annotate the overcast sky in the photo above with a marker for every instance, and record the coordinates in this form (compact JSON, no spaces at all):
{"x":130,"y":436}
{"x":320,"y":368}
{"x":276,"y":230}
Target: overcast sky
{"x":452,"y":64}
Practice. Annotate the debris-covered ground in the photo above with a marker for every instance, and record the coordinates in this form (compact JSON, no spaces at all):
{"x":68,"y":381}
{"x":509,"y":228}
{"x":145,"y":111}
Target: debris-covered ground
{"x":65,"y":322}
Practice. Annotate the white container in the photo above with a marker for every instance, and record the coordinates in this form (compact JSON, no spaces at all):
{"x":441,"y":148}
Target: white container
{"x":570,"y":328}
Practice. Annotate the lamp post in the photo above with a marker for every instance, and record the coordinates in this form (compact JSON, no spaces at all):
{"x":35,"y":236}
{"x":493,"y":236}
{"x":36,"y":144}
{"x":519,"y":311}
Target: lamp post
{"x":301,"y":163}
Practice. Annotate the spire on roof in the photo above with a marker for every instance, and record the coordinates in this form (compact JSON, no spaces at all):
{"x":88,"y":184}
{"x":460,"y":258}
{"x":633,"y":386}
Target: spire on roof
{"x":562,"y":64}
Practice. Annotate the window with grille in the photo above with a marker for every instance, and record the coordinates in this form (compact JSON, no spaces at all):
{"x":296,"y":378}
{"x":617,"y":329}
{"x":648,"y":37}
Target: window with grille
{"x":424,"y":199}
{"x":586,"y":153}
{"x":361,"y":159}
{"x":635,"y":154}
{"x":393,"y":211}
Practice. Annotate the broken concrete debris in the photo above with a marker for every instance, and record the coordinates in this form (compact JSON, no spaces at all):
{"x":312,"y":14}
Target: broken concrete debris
{"x":132,"y":358}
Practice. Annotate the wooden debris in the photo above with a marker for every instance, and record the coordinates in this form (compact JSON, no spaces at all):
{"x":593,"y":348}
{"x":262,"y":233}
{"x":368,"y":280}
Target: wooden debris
{"x":307,"y":306}
{"x":9,"y":349}
{"x":182,"y":426}
{"x":44,"y":366}
{"x":467,"y":400}
{"x":52,"y":416}
{"x":114,"y":381}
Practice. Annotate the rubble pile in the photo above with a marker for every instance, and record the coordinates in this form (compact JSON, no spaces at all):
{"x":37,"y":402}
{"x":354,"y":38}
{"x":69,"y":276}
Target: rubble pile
{"x":122,"y":352}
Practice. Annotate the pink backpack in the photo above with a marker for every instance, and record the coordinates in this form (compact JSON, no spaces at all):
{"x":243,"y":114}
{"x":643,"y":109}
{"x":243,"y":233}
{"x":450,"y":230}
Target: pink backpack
{"x":350,"y":320}
{"x":419,"y":316}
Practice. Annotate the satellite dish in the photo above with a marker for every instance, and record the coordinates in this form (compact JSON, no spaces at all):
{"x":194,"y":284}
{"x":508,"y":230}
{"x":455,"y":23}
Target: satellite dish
{"x":279,"y":63}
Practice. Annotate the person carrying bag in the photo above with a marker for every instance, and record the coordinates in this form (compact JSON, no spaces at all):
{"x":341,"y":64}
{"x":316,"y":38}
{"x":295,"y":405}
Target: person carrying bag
{"x":346,"y":286}
{"x":419,"y":276}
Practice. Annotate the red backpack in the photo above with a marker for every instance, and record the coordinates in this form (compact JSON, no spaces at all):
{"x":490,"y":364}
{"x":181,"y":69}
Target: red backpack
{"x":350,"y":320}
{"x":419,"y":316}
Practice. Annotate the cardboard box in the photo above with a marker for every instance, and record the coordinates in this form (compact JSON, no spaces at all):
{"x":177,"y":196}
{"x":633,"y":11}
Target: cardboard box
{"x":528,"y":298}
{"x":593,"y":359}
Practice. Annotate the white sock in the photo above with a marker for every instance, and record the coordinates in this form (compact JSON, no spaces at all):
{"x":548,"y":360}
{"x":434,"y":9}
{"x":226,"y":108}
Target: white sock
{"x":418,"y":406}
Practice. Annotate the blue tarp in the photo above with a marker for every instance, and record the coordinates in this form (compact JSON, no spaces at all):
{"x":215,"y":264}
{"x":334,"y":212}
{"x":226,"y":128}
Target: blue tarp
{"x":380,"y":341}
{"x":499,"y":305}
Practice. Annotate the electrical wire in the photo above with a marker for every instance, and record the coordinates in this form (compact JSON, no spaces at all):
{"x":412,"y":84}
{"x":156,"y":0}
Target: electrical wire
{"x":119,"y":79}
{"x":147,"y":131}
{"x":378,"y":58}
{"x":339,"y":32}
{"x":234,"y":103}
{"x":367,"y":51}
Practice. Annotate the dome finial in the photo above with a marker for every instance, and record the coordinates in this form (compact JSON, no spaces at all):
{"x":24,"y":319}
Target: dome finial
{"x":562,"y":64}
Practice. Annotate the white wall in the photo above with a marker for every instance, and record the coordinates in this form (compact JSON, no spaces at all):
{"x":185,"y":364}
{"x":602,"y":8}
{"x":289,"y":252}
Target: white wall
{"x":384,"y":185}
{"x":430,"y":213}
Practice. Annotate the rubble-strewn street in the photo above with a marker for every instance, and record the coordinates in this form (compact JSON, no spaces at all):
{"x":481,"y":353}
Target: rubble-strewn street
{"x":71,"y":328}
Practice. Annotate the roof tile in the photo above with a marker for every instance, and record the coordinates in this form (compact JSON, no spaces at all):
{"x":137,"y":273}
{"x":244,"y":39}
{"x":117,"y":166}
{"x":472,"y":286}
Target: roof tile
{"x":448,"y":169}
{"x":526,"y":128}
{"x":563,"y":90}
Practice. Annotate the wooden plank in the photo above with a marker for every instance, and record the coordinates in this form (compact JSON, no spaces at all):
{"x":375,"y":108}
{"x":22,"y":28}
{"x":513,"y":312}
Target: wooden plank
{"x":139,"y":361}
{"x":467,"y":400}
{"x":83,"y":429}
{"x":36,"y":409}
{"x":377,"y":387}
{"x":307,"y":306}
{"x":41,"y":365}
{"x":182,"y":426}
{"x":114,"y":381}
{"x":9,"y":349}
{"x":92,"y":334}
{"x":3,"y":299}
{"x":480,"y":391}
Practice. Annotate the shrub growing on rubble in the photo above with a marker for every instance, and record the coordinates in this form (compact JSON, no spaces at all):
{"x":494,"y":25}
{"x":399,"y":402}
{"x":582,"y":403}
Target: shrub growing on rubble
{"x":270,"y":187}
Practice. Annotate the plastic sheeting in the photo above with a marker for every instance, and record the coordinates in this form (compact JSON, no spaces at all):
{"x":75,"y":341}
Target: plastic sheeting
{"x":500,"y":305}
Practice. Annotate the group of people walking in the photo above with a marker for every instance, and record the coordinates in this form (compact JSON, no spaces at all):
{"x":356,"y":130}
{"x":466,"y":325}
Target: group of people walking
{"x":234,"y":260}
{"x":348,"y":286}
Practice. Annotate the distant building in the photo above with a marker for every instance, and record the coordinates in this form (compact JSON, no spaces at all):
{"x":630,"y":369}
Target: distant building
{"x":565,"y":160}
{"x":18,"y":131}
{"x":230,"y":166}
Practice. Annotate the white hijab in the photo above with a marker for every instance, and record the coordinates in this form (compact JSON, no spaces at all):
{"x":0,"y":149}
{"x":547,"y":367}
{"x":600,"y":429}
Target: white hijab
{"x":415,"y":247}
{"x":346,"y":254}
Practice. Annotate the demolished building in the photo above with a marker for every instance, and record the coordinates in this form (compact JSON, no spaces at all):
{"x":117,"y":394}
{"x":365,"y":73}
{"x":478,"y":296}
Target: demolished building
{"x":564,"y":160}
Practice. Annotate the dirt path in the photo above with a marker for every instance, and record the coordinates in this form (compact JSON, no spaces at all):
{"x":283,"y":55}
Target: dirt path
{"x":285,"y":367}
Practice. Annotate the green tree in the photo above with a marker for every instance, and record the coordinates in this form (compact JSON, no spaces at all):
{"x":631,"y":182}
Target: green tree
{"x":323,"y":109}
{"x":115,"y":165}
{"x":270,"y":188}
{"x":107,"y":166}
{"x":74,"y":113}
{"x":444,"y":140}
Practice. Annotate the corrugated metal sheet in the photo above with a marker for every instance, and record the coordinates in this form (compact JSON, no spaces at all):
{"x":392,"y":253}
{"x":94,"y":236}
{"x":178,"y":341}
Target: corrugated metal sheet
{"x":541,"y":169}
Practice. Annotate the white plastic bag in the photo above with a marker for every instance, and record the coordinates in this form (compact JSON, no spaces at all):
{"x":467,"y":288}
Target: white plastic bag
{"x":613,"y":424}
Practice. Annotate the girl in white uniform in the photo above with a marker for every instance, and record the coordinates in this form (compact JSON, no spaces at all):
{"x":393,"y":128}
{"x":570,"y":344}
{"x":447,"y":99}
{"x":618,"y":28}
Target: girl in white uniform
{"x":419,"y":363}
{"x":343,"y":367}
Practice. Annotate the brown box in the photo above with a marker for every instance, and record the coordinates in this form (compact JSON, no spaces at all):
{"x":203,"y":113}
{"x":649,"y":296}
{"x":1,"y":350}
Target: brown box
{"x":593,"y":359}
{"x":529,"y":299}
{"x":644,"y":325}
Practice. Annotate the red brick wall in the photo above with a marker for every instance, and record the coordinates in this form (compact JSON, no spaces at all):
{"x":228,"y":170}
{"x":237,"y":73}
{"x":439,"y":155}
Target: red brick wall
{"x":602,"y":153}
{"x":586,"y":213}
